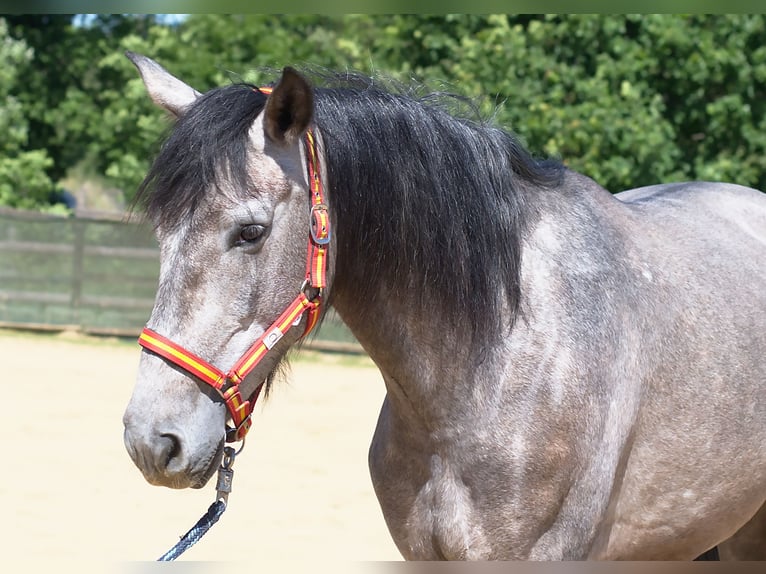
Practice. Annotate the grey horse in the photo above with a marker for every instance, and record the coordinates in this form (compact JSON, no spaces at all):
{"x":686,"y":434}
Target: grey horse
{"x":571,"y":374}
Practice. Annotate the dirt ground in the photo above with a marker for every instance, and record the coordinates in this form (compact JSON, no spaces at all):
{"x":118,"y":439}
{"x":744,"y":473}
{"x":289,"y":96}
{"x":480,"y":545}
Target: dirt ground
{"x":301,"y":487}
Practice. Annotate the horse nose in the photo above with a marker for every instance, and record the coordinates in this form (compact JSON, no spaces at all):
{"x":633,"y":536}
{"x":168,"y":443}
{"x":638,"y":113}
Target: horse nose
{"x":159,"y":456}
{"x":177,"y":445}
{"x":166,"y":449}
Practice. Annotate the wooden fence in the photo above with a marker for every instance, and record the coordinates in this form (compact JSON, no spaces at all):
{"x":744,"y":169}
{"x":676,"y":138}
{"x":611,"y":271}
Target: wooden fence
{"x":91,"y":273}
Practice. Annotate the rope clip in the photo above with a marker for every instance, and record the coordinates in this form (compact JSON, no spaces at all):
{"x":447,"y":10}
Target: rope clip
{"x":225,"y":475}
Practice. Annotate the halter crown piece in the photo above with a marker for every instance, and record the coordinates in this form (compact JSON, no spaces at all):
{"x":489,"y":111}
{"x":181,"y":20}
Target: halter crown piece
{"x":227,"y":384}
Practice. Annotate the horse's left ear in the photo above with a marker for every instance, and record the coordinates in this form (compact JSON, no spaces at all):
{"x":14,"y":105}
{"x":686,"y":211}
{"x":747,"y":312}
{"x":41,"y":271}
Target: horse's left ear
{"x":289,"y":108}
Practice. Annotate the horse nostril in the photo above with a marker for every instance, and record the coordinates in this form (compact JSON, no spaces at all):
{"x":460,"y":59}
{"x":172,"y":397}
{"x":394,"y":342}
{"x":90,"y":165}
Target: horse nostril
{"x":170,"y":448}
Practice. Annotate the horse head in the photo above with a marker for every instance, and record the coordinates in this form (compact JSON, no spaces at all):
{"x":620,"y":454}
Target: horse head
{"x":228,"y":198}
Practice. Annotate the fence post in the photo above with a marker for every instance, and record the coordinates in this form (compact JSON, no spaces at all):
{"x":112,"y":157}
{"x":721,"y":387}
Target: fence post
{"x":77,"y":268}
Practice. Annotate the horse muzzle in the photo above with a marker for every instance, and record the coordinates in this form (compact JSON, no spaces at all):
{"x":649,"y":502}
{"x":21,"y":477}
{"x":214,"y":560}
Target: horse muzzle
{"x":174,"y":443}
{"x":165,"y":459}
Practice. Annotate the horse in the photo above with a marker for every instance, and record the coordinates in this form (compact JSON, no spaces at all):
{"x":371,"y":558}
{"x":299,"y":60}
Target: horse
{"x":570,"y":374}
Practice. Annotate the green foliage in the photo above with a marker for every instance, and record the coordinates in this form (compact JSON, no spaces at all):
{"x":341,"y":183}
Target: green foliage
{"x":23,"y":179}
{"x":574,"y":87}
{"x":627,"y":99}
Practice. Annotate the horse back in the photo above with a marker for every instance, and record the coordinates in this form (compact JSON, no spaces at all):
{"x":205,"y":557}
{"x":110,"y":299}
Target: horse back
{"x":717,"y":208}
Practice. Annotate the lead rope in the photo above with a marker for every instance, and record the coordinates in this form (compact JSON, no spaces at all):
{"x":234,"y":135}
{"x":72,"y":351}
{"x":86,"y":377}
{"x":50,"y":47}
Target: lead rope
{"x":223,"y":488}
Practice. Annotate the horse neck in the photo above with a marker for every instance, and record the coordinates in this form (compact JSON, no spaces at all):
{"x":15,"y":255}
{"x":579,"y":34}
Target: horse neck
{"x":434,"y":364}
{"x":421,"y":352}
{"x":426,"y":252}
{"x":419,"y":356}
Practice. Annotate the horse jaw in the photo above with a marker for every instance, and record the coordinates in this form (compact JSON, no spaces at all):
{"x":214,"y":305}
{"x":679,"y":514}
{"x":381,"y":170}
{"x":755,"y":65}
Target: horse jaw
{"x":164,"y":89}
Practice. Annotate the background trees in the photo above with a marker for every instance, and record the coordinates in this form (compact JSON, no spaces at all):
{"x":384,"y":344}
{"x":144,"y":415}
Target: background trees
{"x":627,"y":99}
{"x":23,"y":168}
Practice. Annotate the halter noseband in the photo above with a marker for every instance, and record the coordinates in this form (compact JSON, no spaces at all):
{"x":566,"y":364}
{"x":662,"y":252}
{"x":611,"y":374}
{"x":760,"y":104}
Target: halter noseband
{"x":227,"y":384}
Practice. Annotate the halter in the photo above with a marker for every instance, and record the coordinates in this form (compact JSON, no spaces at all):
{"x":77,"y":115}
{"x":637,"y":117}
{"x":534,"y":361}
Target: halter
{"x":227,"y":384}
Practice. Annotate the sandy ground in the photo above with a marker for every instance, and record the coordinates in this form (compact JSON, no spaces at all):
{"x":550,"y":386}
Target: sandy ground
{"x":301,"y":488}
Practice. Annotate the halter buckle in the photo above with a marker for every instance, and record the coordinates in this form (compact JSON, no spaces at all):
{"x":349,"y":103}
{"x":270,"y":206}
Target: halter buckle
{"x":320,"y":224}
{"x":236,"y":434}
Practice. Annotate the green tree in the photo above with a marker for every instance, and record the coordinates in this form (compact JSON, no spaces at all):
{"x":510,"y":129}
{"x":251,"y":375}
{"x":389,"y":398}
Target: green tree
{"x":627,"y":99}
{"x":23,"y":179}
{"x":69,"y":91}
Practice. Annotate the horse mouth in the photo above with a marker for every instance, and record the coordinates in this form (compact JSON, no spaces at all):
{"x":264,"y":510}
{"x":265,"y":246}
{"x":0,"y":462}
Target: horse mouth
{"x":201,"y":479}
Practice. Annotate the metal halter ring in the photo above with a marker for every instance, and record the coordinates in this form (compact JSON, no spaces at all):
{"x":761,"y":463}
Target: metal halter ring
{"x":305,"y":287}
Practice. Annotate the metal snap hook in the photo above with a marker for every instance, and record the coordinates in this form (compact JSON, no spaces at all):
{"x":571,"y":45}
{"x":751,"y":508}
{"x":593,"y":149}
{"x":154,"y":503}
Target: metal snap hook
{"x":225,"y":475}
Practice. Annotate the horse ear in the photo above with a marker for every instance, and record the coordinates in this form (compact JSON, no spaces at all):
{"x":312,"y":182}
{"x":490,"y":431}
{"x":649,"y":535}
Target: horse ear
{"x":164,"y":89}
{"x":289,"y":108}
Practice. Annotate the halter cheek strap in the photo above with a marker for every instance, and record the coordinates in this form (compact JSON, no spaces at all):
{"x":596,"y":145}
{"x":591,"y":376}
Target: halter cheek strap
{"x":227,"y":384}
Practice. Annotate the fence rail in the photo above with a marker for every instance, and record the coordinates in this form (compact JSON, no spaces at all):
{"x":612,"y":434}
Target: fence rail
{"x":93,"y":273}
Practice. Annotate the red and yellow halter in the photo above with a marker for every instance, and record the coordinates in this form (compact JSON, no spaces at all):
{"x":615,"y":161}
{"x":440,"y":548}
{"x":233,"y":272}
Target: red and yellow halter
{"x":227,"y":384}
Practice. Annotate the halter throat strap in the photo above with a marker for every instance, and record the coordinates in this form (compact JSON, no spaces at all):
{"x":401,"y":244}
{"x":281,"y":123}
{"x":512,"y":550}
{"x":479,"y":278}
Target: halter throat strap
{"x":307,"y":302}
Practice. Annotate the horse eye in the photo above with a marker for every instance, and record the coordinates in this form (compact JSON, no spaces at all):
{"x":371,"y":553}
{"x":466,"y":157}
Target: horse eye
{"x":251,"y":233}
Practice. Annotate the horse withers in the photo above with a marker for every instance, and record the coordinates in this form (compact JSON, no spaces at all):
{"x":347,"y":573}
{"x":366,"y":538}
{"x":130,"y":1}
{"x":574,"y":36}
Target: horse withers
{"x":570,"y":374}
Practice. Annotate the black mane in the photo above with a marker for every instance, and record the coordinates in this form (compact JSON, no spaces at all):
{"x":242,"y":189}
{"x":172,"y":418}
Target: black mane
{"x":430,"y":204}
{"x":423,"y":201}
{"x":208,"y":144}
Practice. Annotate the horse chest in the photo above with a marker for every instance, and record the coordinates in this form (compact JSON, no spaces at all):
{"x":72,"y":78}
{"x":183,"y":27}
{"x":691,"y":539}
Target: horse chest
{"x":441,"y":503}
{"x":433,"y":519}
